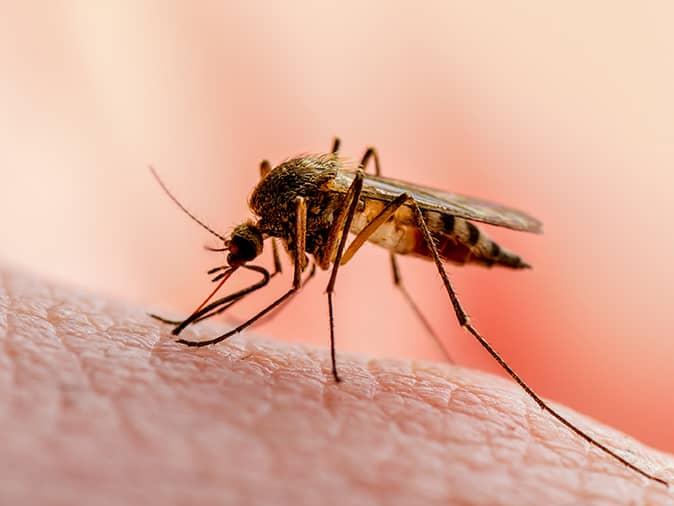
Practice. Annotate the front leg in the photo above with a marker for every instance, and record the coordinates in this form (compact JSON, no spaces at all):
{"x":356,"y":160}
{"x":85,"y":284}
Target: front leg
{"x":334,"y":250}
{"x":299,"y":257}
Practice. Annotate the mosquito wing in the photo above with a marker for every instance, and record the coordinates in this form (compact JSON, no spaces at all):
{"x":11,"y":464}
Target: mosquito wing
{"x":461,"y":206}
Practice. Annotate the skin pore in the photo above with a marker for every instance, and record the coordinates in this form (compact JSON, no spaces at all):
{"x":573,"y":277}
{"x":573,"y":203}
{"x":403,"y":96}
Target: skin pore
{"x":100,"y":406}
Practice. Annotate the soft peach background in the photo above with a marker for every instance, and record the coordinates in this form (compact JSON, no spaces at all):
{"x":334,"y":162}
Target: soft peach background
{"x":562,"y":109}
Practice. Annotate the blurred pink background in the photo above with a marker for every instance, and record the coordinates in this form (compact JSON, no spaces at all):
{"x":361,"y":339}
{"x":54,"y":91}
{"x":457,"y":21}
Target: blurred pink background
{"x":563,"y":110}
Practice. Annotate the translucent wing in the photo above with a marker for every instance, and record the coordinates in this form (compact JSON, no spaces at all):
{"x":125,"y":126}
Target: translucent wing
{"x":462,"y":206}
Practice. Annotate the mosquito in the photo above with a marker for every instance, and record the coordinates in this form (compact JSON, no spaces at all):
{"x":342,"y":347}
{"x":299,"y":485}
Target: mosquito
{"x":310,"y":204}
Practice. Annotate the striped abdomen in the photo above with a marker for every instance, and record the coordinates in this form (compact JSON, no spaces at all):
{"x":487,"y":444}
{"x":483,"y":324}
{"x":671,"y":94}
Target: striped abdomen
{"x":457,"y":239}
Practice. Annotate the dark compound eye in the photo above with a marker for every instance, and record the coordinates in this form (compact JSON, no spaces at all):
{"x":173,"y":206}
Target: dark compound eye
{"x":242,"y":249}
{"x":245,"y":244}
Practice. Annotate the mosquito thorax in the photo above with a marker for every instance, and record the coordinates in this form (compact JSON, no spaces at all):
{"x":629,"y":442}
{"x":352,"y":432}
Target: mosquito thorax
{"x":245,"y":244}
{"x":274,"y":199}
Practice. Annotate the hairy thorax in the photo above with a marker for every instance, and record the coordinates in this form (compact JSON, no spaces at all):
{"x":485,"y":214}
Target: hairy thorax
{"x":274,"y":201}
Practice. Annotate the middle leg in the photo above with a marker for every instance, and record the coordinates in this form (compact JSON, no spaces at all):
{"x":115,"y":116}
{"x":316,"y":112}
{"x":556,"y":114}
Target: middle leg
{"x":339,"y":232}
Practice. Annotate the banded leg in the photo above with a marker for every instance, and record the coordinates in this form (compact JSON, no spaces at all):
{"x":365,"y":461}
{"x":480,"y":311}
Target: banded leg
{"x":463,"y":320}
{"x":299,"y":260}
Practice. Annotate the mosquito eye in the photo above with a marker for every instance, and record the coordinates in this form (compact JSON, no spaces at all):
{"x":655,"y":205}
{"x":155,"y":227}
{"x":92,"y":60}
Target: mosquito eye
{"x":241,"y":250}
{"x":245,"y":244}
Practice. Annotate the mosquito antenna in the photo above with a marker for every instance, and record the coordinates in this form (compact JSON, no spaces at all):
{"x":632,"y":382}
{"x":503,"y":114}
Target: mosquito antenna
{"x":182,"y":207}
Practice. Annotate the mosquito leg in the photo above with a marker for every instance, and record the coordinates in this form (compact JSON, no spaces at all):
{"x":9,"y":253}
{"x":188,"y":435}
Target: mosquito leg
{"x":278,"y":268}
{"x":463,"y":320}
{"x":371,"y":153}
{"x":194,"y":317}
{"x":223,"y":304}
{"x":308,"y":277}
{"x":336,"y":142}
{"x":299,"y":262}
{"x":241,"y":327}
{"x":190,"y":319}
{"x":222,"y":268}
{"x":272,"y":315}
{"x":227,"y":301}
{"x":164,"y":320}
{"x":265,"y":168}
{"x":398,"y":282}
{"x":340,"y":231}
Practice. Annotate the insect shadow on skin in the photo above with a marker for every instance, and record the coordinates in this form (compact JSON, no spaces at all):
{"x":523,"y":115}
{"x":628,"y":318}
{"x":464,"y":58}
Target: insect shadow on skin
{"x":311,"y":204}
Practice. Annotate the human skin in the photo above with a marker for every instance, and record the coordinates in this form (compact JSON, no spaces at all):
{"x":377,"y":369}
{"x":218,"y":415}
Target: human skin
{"x":100,"y":406}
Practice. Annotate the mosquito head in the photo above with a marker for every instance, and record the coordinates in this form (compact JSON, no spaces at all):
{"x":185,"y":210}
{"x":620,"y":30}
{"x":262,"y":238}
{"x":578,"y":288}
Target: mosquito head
{"x":244,"y":244}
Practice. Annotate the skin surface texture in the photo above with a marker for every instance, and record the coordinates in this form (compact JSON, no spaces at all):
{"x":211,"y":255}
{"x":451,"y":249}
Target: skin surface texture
{"x":99,"y":406}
